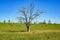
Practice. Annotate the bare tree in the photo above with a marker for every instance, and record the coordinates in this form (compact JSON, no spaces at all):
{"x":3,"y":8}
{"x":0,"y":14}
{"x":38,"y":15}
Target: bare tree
{"x":27,"y":18}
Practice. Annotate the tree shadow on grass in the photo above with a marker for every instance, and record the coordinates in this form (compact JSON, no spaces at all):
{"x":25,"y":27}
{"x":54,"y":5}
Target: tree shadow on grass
{"x":16,"y":31}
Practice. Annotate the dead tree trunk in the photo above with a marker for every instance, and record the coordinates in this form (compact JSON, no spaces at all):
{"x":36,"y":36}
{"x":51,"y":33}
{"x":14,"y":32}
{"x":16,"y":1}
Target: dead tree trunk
{"x":28,"y":28}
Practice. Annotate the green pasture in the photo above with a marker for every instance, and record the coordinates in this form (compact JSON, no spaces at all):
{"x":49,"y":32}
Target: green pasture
{"x":30,"y":36}
{"x":22,"y":27}
{"x":16,"y":31}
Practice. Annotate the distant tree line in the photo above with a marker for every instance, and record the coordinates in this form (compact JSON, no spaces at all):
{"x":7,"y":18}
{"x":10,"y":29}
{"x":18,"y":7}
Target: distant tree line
{"x":44,"y":22}
{"x":5,"y":21}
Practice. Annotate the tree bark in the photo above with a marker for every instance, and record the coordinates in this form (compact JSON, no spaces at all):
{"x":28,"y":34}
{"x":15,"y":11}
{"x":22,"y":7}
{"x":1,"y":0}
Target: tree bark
{"x":28,"y":28}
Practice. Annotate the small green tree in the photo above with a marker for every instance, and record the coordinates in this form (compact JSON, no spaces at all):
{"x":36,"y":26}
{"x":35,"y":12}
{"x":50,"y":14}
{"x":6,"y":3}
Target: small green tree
{"x":34,"y":22}
{"x":44,"y":22}
{"x":20,"y":22}
{"x":49,"y":22}
{"x":8,"y":21}
{"x":4,"y":21}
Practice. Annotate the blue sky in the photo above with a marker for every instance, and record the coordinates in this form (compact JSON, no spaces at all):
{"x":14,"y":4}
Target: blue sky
{"x":9,"y":9}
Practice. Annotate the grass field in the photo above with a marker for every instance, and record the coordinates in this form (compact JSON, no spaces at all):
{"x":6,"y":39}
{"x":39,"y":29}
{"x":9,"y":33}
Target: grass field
{"x":22,"y":27}
{"x":14,"y":31}
{"x":30,"y":36}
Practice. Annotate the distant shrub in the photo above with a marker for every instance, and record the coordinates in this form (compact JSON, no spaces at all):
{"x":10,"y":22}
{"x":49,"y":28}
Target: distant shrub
{"x":44,"y":22}
{"x":49,"y":22}
{"x":34,"y":22}
{"x":54,"y":23}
